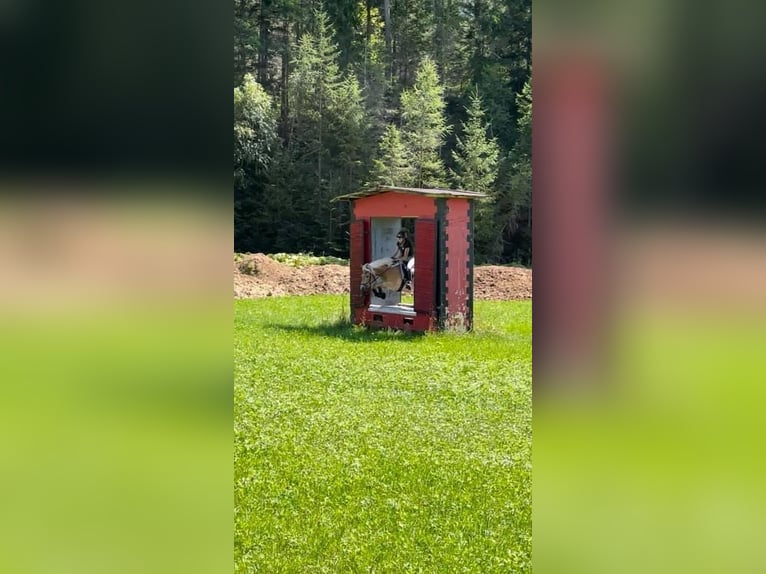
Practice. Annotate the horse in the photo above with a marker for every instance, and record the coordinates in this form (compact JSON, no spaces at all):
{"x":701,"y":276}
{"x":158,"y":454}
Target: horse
{"x":385,"y":274}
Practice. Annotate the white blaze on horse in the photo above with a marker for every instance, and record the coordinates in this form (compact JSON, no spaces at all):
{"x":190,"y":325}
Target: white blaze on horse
{"x":385,"y":275}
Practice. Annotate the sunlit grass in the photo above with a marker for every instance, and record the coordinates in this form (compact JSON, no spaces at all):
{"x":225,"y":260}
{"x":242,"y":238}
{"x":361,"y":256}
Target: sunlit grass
{"x":361,"y":451}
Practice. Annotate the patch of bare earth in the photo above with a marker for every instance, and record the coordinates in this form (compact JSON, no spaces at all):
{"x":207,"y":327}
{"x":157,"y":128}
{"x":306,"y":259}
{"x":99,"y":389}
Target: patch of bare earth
{"x":495,"y":282}
{"x":256,"y":275}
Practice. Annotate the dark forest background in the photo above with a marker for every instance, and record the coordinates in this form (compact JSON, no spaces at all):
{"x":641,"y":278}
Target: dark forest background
{"x":334,"y":96}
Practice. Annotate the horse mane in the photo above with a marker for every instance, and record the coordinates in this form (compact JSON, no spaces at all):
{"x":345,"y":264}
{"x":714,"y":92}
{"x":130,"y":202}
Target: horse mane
{"x":379,"y":265}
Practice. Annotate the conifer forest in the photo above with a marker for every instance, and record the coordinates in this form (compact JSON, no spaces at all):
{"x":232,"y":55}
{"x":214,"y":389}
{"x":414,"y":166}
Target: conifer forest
{"x":332,"y":97}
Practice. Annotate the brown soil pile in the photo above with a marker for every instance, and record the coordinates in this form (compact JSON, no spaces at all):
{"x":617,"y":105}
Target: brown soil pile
{"x":502,"y":283}
{"x":256,"y":275}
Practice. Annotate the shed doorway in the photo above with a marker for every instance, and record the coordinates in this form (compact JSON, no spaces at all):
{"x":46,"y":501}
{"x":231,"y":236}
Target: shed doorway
{"x":383,"y":232}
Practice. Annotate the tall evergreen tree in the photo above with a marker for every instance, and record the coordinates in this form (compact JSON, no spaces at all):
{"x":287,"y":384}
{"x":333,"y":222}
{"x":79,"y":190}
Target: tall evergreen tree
{"x":475,"y":157}
{"x":371,"y":67}
{"x":475,"y":154}
{"x":393,"y":166}
{"x":514,"y":205}
{"x":254,"y":127}
{"x":254,"y":138}
{"x":412,"y":23}
{"x":424,"y":126}
{"x":326,"y":139}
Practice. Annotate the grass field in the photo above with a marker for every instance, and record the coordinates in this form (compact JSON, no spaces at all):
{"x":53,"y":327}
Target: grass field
{"x":383,"y":452}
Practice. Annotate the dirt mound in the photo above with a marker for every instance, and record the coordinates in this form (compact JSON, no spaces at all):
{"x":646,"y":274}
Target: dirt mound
{"x":503,"y":283}
{"x":256,"y":275}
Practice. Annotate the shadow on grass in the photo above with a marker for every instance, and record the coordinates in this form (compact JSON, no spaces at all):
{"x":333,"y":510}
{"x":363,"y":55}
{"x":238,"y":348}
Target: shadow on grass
{"x":342,"y":329}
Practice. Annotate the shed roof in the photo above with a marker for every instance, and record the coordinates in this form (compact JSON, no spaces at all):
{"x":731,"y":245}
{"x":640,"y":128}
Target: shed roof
{"x":412,"y":191}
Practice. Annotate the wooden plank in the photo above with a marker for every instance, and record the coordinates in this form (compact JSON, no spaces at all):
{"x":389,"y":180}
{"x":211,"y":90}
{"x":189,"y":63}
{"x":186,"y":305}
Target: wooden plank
{"x":357,"y":251}
{"x":457,"y":246}
{"x":425,"y":267}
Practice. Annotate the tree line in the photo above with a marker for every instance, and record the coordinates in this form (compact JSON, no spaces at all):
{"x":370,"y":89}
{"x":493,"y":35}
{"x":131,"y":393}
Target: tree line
{"x":334,"y":96}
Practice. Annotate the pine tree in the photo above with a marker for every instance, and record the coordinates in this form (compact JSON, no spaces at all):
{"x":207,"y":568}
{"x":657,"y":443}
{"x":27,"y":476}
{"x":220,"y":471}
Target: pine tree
{"x":475,"y":156}
{"x":393,"y":166}
{"x":255,"y":122}
{"x":254,"y":126}
{"x":424,"y":126}
{"x":371,"y":67}
{"x":514,"y":207}
{"x":327,"y":139}
{"x":412,"y":24}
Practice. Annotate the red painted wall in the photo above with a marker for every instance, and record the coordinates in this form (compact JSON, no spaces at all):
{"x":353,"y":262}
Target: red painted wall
{"x":421,"y":322}
{"x":457,"y":258}
{"x":358,"y":255}
{"x":425,"y":267}
{"x":393,"y":204}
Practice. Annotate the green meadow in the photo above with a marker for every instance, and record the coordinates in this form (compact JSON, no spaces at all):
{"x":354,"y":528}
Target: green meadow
{"x":388,"y":452}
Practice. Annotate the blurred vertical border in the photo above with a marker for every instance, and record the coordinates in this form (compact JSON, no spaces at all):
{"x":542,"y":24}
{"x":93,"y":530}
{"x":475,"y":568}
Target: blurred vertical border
{"x":115,"y":286}
{"x":650,"y":286}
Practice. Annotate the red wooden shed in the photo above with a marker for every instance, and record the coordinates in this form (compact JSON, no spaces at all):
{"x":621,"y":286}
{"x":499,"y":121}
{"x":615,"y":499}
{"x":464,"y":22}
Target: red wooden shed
{"x":443,"y":245}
